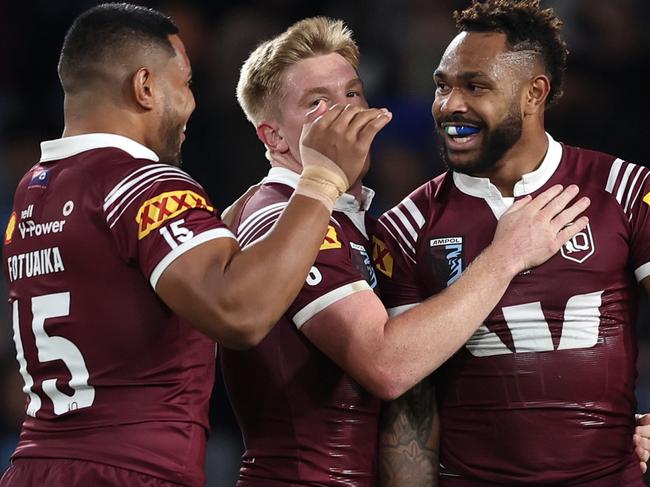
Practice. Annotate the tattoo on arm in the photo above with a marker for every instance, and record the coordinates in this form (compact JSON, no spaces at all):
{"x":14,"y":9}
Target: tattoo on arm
{"x":408,"y":439}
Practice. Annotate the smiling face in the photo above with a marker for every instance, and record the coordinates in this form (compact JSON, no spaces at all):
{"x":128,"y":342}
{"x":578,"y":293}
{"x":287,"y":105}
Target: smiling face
{"x":177,"y":104}
{"x":327,"y":77}
{"x":479,"y":86}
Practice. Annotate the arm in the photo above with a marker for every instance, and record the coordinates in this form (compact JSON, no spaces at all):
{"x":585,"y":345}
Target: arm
{"x":235,"y":297}
{"x":408,"y":439}
{"x":641,"y":436}
{"x":389,"y":356}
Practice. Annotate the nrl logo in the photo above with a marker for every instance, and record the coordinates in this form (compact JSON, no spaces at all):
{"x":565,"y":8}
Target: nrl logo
{"x":580,"y":247}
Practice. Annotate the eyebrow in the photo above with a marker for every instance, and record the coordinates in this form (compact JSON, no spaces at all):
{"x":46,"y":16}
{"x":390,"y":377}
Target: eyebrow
{"x":464,"y":76}
{"x":321,"y":89}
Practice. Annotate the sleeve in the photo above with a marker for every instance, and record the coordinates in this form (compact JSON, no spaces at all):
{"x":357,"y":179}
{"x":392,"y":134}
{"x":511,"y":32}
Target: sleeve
{"x":394,"y":255}
{"x":638,"y":214}
{"x":156,"y":214}
{"x":333,"y":275}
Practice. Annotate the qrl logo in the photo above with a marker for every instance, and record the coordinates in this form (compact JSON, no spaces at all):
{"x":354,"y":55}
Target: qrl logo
{"x":580,"y":247}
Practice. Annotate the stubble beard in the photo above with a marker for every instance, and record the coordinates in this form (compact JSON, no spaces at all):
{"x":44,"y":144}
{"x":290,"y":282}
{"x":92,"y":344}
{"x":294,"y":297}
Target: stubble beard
{"x":496,"y":143}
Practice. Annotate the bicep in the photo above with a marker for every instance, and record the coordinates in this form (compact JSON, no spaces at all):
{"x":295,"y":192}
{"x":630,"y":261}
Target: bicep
{"x":408,"y":439}
{"x":190,"y":284}
{"x":348,"y":330}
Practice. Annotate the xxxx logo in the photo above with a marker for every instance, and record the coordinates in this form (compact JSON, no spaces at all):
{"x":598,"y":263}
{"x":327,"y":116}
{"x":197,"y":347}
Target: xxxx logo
{"x":156,"y":211}
{"x":331,"y":239}
{"x":381,"y":257}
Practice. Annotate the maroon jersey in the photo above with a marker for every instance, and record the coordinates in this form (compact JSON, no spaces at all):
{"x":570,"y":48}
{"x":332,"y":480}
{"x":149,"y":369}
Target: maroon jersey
{"x":111,"y":374}
{"x":543,"y":393}
{"x":303,"y":419}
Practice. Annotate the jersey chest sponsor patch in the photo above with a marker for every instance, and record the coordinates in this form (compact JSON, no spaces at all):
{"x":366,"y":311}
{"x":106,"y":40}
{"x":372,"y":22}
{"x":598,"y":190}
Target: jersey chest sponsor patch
{"x":447,"y":259}
{"x":156,"y":211}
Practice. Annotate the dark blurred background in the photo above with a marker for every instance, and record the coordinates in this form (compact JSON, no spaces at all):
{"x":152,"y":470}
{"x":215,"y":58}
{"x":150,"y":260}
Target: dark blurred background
{"x":605,"y":107}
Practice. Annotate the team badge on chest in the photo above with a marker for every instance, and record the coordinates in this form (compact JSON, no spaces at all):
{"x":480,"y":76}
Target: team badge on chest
{"x":447,"y":258}
{"x":580,"y":247}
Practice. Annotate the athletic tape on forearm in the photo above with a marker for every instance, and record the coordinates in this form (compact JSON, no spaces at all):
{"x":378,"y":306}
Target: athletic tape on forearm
{"x":321,"y":178}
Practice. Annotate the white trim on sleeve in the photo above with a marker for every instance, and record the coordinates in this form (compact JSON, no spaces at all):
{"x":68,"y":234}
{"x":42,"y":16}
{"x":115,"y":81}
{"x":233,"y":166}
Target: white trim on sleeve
{"x":398,"y":310}
{"x":642,"y":272}
{"x":184,"y":247}
{"x":319,"y":304}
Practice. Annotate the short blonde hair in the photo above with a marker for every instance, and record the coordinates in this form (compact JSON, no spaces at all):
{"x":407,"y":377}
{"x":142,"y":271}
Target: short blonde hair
{"x":260,"y":78}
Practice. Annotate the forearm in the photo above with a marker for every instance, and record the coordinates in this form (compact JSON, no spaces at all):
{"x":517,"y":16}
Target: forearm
{"x":261,"y":281}
{"x":408,"y":439}
{"x":439,"y":326}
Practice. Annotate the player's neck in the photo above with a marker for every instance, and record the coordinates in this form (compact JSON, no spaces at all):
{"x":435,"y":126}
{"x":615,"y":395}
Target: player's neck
{"x":80,"y":118}
{"x":522,"y":158}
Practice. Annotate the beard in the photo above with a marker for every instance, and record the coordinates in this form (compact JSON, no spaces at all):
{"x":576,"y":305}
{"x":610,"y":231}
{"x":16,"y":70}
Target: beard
{"x":496,"y":142}
{"x":169,"y":132}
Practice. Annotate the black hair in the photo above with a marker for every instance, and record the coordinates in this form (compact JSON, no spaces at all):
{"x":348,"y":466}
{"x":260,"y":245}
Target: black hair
{"x":527,"y":27}
{"x":109,"y":33}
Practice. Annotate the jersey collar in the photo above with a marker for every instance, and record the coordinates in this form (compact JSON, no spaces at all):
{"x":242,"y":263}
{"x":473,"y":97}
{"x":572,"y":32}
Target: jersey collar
{"x":529,"y":183}
{"x":346,"y":202}
{"x":52,"y":150}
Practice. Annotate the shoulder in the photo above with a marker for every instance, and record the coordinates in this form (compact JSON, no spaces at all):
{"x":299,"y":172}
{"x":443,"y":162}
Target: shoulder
{"x":608,"y":174}
{"x":261,"y":211}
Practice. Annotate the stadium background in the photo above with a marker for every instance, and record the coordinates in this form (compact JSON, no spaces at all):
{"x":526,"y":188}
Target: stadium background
{"x":605,"y":107}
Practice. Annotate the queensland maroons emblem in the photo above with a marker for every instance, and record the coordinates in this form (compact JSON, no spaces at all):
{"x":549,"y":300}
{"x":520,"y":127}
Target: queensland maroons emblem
{"x":580,"y":247}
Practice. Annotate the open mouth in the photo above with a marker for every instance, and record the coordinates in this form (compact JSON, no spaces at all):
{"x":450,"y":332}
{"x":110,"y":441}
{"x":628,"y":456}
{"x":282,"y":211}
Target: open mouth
{"x":460,"y":135}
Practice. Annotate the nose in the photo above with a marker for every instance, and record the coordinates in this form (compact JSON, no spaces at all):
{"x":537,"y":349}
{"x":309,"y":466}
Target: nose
{"x":449,"y":103}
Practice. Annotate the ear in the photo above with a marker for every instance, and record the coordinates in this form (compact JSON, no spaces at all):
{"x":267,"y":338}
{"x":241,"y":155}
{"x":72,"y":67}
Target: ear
{"x":141,"y":86}
{"x":536,"y":94}
{"x":268,"y":133}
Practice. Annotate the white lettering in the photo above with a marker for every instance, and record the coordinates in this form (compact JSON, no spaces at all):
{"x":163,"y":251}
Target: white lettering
{"x":30,"y":229}
{"x":36,"y":263}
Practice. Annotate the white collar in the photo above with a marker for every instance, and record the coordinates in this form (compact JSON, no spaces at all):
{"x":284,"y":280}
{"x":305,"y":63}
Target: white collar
{"x":346,"y":202}
{"x":52,"y":150}
{"x":529,"y":183}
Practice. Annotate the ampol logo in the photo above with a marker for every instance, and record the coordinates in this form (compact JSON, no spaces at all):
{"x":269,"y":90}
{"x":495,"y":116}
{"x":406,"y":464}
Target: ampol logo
{"x":580,"y":247}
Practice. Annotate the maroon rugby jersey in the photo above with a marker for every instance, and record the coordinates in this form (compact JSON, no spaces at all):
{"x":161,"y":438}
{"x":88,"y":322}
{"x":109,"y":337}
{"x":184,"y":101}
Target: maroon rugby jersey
{"x":543,"y":393}
{"x":303,"y":419}
{"x":111,"y":374}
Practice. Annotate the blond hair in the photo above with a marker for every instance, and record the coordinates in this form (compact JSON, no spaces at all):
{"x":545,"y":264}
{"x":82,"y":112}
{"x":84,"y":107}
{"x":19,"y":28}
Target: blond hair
{"x":260,"y":78}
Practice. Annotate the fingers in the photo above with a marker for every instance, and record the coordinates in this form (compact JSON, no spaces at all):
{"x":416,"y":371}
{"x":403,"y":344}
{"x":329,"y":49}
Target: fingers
{"x":317,"y":112}
{"x":519,"y":204}
{"x":559,"y":202}
{"x":567,"y":216}
{"x":570,"y":231}
{"x":372,"y":128}
{"x":544,"y":198}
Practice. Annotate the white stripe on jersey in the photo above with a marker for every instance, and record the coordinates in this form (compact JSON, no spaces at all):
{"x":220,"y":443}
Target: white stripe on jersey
{"x":145,"y":173}
{"x":642,"y":272}
{"x":638,"y":191}
{"x":627,"y":189}
{"x":413,"y":210}
{"x":184,"y":247}
{"x":393,"y":223}
{"x":407,"y":224}
{"x":613,"y":175}
{"x":258,"y":220}
{"x":322,"y":302}
{"x":623,"y":185}
{"x":398,"y":310}
{"x":260,"y":231}
{"x":631,"y":188}
{"x":124,"y":203}
{"x":404,"y":251}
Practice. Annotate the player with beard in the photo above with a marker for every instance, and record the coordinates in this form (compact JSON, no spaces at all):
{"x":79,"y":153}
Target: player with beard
{"x":307,"y":397}
{"x":120,"y":273}
{"x":543,"y":392}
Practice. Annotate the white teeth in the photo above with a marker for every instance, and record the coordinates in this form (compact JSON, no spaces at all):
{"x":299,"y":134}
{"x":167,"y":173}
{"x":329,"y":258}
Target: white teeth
{"x":184,"y":127}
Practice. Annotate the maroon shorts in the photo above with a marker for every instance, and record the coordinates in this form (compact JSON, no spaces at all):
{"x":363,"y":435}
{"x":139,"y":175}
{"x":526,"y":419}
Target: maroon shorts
{"x":55,"y":472}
